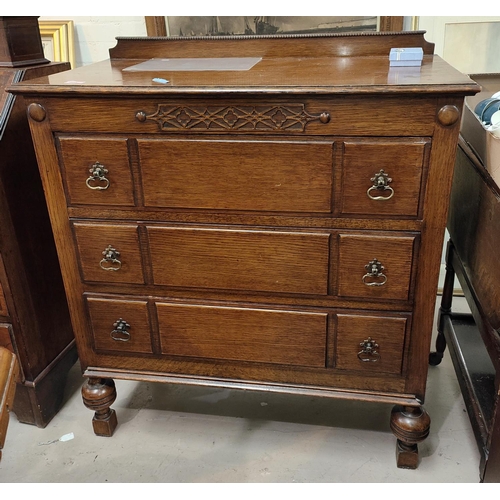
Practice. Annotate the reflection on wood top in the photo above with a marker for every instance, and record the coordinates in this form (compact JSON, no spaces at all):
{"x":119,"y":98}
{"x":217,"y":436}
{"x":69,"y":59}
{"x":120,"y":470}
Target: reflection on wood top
{"x":324,"y":65}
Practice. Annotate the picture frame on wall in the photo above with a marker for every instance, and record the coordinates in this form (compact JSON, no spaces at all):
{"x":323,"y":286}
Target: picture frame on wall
{"x":272,"y":25}
{"x":266,"y":25}
{"x":58,"y":41}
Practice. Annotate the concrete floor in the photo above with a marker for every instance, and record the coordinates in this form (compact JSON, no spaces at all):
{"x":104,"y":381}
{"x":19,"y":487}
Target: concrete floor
{"x":175,"y":434}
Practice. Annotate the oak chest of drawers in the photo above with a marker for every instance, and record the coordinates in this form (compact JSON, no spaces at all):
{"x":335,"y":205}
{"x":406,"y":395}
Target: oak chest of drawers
{"x":273,"y":225}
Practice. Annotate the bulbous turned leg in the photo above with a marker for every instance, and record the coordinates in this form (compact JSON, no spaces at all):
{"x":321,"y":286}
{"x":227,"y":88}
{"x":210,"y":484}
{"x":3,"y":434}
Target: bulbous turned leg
{"x":98,"y":395}
{"x":410,"y":425}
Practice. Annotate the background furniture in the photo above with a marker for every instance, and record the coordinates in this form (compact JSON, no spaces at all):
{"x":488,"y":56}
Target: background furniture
{"x":277,"y":228}
{"x":34,"y":317}
{"x":9,"y":371}
{"x":473,"y":339}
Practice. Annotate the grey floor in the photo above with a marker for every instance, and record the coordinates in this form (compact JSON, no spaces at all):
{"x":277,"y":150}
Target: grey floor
{"x":175,"y":434}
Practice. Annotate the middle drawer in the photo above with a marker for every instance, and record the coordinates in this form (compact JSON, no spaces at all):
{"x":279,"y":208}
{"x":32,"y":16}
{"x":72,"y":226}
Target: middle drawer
{"x":368,"y":265}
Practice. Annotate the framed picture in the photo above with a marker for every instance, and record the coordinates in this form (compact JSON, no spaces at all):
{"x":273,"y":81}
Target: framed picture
{"x":267,"y":25}
{"x":58,"y":41}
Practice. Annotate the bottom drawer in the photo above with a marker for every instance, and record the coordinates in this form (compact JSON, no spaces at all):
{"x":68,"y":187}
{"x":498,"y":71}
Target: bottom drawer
{"x":332,"y":340}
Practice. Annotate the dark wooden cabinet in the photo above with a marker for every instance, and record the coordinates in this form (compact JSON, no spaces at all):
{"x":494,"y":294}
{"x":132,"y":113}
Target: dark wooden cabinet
{"x":473,"y":339}
{"x":20,"y":42}
{"x":277,"y":228}
{"x":34,"y":316}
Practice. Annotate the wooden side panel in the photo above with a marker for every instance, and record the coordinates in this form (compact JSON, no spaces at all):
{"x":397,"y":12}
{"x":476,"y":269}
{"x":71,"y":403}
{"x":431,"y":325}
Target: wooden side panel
{"x":273,"y":261}
{"x":79,"y":155}
{"x":237,"y":175}
{"x":441,"y":161}
{"x":387,"y":332}
{"x":232,"y":333}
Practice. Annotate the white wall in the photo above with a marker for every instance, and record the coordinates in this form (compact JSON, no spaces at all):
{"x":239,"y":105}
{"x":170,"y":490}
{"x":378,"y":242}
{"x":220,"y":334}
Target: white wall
{"x":436,"y":27}
{"x":95,"y":35}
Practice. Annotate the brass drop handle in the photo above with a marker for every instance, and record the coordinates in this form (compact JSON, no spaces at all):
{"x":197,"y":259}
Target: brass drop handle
{"x":374,"y":276}
{"x":97,"y":179}
{"x":380,"y":191}
{"x":120,"y":333}
{"x":110,"y":261}
{"x":369,"y":351}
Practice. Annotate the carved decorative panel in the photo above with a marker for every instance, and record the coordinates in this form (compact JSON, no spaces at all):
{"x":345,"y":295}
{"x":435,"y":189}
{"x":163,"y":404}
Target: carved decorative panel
{"x":287,"y":117}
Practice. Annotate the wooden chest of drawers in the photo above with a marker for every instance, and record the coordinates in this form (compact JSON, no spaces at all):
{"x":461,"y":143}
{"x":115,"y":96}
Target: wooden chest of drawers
{"x":275,"y":228}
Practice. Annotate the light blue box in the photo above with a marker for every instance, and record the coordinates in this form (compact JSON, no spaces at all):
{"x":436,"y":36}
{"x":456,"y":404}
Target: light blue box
{"x":409,"y":56}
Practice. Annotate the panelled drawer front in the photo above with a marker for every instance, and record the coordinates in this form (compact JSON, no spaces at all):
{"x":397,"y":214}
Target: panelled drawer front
{"x":376,"y":177}
{"x":109,"y":253}
{"x":270,"y":261}
{"x":250,"y":175}
{"x":382,"y":177}
{"x":375,"y":267}
{"x":359,"y":341}
{"x":370,"y":343}
{"x":232,"y":333}
{"x":81,"y":159}
{"x":120,"y":325}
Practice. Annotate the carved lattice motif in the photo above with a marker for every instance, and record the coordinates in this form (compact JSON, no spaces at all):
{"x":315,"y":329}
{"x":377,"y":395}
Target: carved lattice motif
{"x":291,"y":117}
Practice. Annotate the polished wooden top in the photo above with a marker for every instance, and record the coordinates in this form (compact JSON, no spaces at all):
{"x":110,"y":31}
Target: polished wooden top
{"x":320,"y":65}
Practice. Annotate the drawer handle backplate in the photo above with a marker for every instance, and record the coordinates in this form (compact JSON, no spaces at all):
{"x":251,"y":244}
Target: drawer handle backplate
{"x":120,"y":333}
{"x":381,"y":183}
{"x":110,"y":261}
{"x":369,"y":351}
{"x":374,"y":276}
{"x":97,"y":179}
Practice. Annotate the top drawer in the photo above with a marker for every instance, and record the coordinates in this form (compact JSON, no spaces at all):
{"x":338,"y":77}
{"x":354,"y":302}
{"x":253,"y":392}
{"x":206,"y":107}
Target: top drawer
{"x":345,"y":178}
